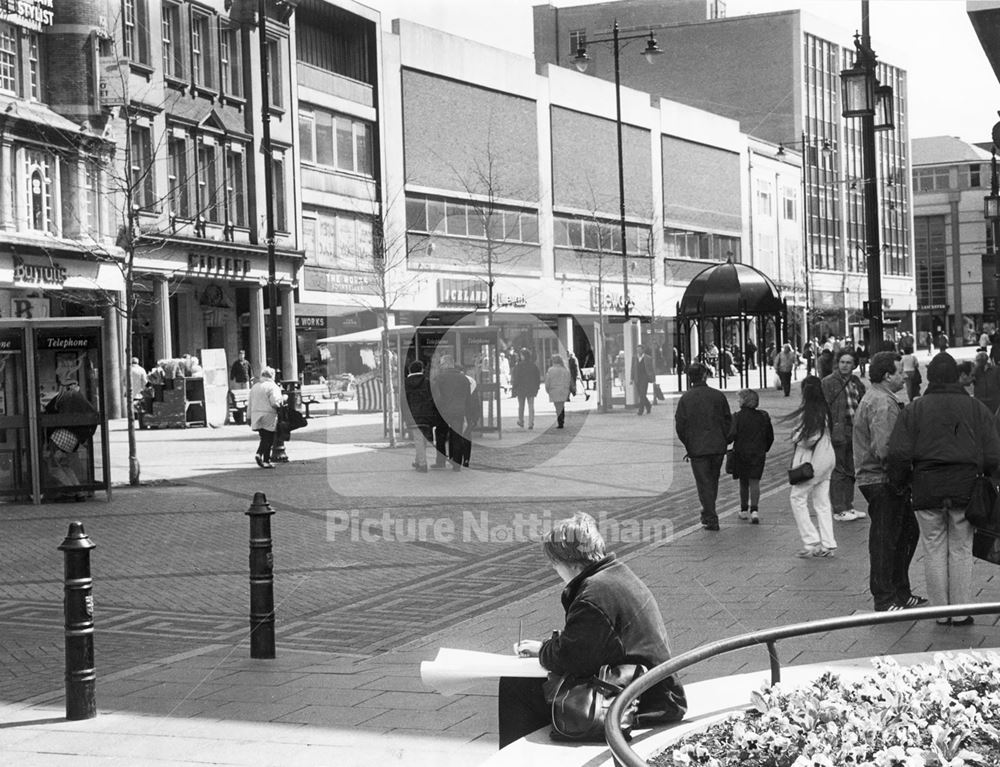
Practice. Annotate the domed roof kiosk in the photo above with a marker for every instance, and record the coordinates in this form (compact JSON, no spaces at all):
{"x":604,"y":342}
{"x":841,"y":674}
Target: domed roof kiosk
{"x":735,"y":303}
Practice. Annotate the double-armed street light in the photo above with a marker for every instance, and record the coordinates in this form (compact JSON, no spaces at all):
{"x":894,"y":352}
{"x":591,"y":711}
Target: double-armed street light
{"x":991,"y":212}
{"x":582,"y":60}
{"x":864,"y":97}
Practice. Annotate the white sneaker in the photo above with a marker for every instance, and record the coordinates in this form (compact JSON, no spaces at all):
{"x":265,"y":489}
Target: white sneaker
{"x":845,"y":516}
{"x":858,"y":514}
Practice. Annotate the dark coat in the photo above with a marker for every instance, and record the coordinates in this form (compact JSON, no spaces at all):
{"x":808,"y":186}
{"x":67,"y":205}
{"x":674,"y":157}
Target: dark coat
{"x":642,"y":372}
{"x":525,"y":379}
{"x":752,"y":435}
{"x":835,"y":391}
{"x":418,"y":401}
{"x":612,"y":618}
{"x":986,"y":387}
{"x":703,"y":420}
{"x":451,"y":395}
{"x":939,"y":444}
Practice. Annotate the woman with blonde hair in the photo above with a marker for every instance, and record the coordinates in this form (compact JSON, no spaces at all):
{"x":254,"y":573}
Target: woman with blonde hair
{"x":811,"y":437}
{"x":611,"y":618}
{"x":263,"y":403}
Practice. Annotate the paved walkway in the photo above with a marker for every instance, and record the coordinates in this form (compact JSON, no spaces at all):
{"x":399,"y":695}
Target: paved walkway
{"x":376,"y":567}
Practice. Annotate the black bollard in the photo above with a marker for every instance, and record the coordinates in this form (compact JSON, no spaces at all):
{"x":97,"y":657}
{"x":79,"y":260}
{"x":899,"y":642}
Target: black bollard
{"x":78,"y":608}
{"x":261,"y":579}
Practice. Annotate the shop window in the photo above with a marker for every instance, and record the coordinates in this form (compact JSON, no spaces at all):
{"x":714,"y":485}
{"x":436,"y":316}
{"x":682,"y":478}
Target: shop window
{"x":141,"y":165}
{"x":236,"y":184}
{"x":178,"y":177}
{"x":231,"y":61}
{"x":172,"y":41}
{"x":135,"y":31}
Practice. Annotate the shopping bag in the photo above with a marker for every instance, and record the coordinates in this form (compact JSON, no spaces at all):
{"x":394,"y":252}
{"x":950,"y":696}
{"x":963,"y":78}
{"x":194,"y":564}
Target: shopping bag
{"x":986,"y":546}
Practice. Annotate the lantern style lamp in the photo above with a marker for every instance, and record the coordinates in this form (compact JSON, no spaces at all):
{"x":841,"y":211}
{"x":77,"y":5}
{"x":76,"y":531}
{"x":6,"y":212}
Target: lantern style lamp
{"x":884,"y":108}
{"x":857,"y":90}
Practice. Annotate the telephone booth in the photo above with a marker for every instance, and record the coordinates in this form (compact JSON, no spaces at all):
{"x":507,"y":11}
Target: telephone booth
{"x":53,"y":424}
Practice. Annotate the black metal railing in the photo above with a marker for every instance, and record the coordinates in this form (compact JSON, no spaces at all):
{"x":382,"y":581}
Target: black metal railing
{"x":768,"y":637}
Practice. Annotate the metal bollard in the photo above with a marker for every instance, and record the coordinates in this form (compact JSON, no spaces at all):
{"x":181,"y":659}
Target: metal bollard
{"x":261,"y":579}
{"x":78,"y":609}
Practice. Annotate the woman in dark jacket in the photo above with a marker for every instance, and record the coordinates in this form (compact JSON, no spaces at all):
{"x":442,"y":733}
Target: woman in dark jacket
{"x":611,"y":618}
{"x":752,"y":436}
{"x":525,"y":380}
{"x":420,"y":412}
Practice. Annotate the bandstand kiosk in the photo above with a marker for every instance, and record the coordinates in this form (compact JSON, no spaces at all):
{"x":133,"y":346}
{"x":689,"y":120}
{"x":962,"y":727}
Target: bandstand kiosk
{"x":53,"y":422}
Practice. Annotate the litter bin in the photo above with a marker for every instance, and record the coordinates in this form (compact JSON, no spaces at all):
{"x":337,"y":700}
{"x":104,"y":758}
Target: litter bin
{"x":293,"y":395}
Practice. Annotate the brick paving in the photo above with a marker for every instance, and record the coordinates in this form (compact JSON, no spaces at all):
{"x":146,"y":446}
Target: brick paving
{"x":355,"y":617}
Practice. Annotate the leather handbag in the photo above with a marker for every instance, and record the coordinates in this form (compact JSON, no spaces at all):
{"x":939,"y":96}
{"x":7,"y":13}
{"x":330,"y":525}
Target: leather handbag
{"x":986,"y":546}
{"x":580,"y":705}
{"x":732,"y":462}
{"x":800,"y":473}
{"x":983,"y":512}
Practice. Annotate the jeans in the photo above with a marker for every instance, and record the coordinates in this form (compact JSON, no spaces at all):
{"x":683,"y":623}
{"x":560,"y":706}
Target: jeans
{"x":265,"y":444}
{"x":820,"y":494}
{"x":749,"y":493}
{"x":892,"y":541}
{"x":842,"y":480}
{"x":521,"y":707}
{"x":947,"y":538}
{"x":706,"y":470}
{"x":521,"y":399}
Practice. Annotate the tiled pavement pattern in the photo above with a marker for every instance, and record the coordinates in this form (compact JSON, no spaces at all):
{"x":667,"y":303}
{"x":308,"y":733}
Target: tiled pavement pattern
{"x":355,"y":618}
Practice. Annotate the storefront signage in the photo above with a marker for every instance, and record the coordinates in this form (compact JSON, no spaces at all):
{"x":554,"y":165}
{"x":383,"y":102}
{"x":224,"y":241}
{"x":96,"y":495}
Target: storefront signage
{"x":51,"y":274}
{"x":201,"y":265}
{"x":10,"y":344}
{"x":310,"y":322}
{"x":501,"y":300}
{"x":474,"y":340}
{"x":33,"y":14}
{"x":66,"y":342}
{"x":29,"y":308}
{"x":329,"y":281}
{"x":462,"y":293}
{"x":932,"y":307}
{"x":611,"y":301}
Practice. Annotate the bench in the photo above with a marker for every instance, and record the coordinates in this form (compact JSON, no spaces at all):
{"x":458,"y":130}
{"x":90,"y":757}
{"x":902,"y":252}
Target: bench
{"x":238,"y":404}
{"x":311,"y":394}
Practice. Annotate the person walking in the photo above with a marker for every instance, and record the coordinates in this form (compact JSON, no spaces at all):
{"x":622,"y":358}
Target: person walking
{"x":752,"y":436}
{"x":986,"y":382}
{"x":938,"y":446}
{"x":893,"y":535}
{"x":451,"y":391}
{"x":702,"y":422}
{"x":784,"y":365}
{"x":642,"y":374}
{"x":420,"y":413}
{"x":525,"y":383}
{"x":576,"y":382}
{"x":263,"y":402}
{"x":557,"y":384}
{"x":911,"y":371}
{"x":843,"y":391}
{"x":811,"y":439}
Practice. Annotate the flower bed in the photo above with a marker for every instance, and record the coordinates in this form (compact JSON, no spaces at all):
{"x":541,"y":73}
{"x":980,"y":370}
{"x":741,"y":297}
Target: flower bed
{"x":940,"y":714}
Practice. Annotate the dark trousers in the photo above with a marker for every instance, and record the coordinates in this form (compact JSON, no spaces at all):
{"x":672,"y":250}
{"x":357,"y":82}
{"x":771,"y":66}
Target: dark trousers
{"x":449,"y":441}
{"x":749,"y":493}
{"x":642,"y":399}
{"x":522,"y":708}
{"x":842,"y":479}
{"x":892,"y":541}
{"x":786,"y":381}
{"x":706,"y":470}
{"x":265,"y":444}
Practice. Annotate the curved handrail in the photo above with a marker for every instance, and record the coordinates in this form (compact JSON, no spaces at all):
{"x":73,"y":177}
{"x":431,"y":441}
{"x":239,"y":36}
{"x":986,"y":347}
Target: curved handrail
{"x":624,"y":754}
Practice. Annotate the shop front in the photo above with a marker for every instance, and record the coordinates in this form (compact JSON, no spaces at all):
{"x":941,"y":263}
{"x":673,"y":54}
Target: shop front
{"x":194,"y":294}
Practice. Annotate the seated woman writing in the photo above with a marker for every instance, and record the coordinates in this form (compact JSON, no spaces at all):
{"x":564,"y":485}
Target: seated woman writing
{"x":611,"y":618}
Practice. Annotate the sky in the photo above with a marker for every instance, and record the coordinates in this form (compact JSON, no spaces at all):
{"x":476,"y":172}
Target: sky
{"x":952,"y":88}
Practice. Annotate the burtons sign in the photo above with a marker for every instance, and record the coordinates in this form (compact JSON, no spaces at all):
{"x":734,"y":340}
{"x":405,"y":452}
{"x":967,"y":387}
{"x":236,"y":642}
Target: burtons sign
{"x":52,"y":274}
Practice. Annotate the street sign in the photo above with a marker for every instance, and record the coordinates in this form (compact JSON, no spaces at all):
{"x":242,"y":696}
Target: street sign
{"x":621,"y":319}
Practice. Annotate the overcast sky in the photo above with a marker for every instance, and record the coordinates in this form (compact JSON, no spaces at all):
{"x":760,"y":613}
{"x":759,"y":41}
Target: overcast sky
{"x":952,"y":88}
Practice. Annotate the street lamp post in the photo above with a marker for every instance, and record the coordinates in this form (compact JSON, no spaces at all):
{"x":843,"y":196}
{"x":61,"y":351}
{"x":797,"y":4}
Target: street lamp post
{"x":991,"y":211}
{"x":865,"y":98}
{"x":581,"y":60}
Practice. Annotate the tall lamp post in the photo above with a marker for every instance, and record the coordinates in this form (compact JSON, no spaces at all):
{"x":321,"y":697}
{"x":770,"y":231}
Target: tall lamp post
{"x":581,"y":60}
{"x":991,"y":211}
{"x":864,"y":97}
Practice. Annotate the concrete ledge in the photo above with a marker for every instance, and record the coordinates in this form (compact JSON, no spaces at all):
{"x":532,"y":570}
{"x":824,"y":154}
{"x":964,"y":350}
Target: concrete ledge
{"x":538,"y":750}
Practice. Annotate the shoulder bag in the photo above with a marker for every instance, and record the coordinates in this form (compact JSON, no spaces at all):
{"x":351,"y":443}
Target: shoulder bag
{"x":580,"y":705}
{"x":986,"y":546}
{"x":801,"y":473}
{"x":983,"y":512}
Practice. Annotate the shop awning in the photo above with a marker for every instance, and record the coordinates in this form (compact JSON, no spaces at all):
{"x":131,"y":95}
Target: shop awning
{"x":372,"y":336}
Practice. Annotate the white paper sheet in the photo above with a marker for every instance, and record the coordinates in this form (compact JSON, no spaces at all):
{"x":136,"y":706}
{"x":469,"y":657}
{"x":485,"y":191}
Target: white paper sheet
{"x":456,"y":671}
